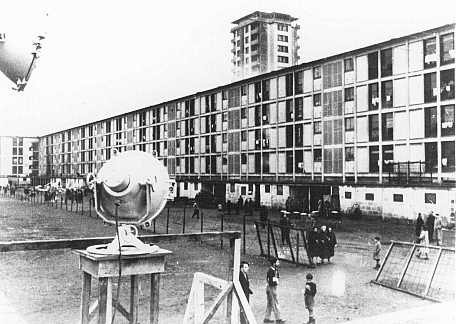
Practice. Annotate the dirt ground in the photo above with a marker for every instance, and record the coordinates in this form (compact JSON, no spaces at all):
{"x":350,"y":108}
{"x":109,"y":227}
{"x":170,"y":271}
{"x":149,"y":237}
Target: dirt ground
{"x":44,"y":286}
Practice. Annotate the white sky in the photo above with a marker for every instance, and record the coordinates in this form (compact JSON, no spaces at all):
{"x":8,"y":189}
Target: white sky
{"x":101,"y":58}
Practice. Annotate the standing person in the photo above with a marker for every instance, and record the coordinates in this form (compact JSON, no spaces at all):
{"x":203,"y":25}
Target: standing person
{"x":418,"y":226}
{"x":196,"y":211}
{"x":430,"y":226}
{"x":332,"y":242}
{"x":272,"y":279}
{"x":240,"y":204}
{"x":285,"y":228}
{"x":376,"y":253}
{"x":245,"y":284}
{"x":312,"y":240}
{"x":324,"y":244}
{"x":309,"y":295}
{"x":423,"y":252}
{"x":438,"y":229}
{"x":250,"y":202}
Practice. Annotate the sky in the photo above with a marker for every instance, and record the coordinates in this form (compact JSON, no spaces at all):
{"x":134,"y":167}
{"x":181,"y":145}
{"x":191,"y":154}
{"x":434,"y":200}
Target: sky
{"x":103,"y":58}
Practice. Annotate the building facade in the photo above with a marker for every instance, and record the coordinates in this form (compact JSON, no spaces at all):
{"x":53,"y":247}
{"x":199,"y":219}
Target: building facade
{"x":18,"y":159}
{"x":263,"y":42}
{"x":374,"y":126}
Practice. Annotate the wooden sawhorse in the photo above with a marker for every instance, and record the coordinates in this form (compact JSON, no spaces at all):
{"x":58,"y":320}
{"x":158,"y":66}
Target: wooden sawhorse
{"x":104,"y":268}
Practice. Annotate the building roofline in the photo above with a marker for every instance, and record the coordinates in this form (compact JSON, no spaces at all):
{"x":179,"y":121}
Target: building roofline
{"x":273,"y":73}
{"x":268,"y":15}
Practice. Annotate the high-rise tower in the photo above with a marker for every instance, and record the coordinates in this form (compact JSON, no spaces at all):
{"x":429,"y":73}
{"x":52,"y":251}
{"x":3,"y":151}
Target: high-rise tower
{"x":263,"y":42}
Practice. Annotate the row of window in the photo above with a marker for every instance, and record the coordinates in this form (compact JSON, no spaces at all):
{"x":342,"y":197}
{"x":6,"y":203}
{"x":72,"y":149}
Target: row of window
{"x":429,"y":198}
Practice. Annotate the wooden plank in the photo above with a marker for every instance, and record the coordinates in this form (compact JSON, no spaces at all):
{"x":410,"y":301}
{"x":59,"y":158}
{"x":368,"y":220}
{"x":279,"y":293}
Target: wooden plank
{"x":102,"y":291}
{"x":236,"y":269}
{"x":199,"y":301}
{"x":85,"y":297}
{"x":211,"y":280}
{"x":428,"y":285}
{"x":189,"y":310}
{"x":121,"y":309}
{"x":109,"y":302}
{"x":384,"y":261}
{"x":83,"y":243}
{"x":218,"y":301}
{"x":406,"y":266}
{"x":134,"y":299}
{"x":154,"y":297}
{"x":243,"y":302}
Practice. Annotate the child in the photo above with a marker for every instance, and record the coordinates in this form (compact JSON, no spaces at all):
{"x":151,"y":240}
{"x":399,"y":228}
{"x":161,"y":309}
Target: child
{"x":309,"y":294}
{"x":376,"y":254}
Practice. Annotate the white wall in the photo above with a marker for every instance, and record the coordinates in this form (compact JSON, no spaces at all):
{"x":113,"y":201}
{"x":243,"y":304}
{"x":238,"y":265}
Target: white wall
{"x":191,"y":191}
{"x":271,"y":199}
{"x":413,"y":201}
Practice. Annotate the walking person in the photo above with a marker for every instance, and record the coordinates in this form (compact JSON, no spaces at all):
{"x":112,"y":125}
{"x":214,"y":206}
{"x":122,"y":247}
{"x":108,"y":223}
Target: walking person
{"x":423,"y":252}
{"x":438,"y":229}
{"x":245,"y":284}
{"x":309,"y":297}
{"x":240,"y":204}
{"x":272,"y":279}
{"x":376,"y":253}
{"x":196,"y":210}
{"x":430,"y":226}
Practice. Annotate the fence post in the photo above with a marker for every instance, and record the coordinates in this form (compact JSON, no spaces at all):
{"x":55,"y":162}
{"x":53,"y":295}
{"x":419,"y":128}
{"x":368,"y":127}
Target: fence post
{"x":243,"y":234}
{"x":202,"y":221}
{"x":167,"y":221}
{"x":221,"y":227}
{"x":82,"y":204}
{"x":154,"y":225}
{"x":90,"y":206}
{"x":183,"y":222}
{"x":297,"y":248}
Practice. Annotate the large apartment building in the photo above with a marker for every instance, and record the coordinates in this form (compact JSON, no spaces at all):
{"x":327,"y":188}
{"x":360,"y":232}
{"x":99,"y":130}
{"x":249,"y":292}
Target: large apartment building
{"x":374,"y":126}
{"x":263,"y":42}
{"x":18,"y":159}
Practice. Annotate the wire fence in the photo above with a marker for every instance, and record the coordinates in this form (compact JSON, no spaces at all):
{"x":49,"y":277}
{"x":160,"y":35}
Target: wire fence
{"x":425,"y":271}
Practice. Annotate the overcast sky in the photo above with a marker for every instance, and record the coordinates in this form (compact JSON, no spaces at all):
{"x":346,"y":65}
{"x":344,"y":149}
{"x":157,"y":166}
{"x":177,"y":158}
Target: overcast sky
{"x":102,"y":58}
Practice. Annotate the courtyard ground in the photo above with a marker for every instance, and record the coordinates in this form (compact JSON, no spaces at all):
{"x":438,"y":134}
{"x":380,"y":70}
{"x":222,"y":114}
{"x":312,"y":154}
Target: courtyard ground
{"x":44,"y":286}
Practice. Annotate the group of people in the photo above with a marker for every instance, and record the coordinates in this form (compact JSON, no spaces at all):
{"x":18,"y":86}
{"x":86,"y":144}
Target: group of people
{"x":272,"y":283}
{"x":321,"y":242}
{"x":247,"y":205}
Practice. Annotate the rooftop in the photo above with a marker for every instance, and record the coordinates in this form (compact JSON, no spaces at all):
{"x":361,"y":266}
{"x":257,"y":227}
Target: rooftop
{"x":265,"y":15}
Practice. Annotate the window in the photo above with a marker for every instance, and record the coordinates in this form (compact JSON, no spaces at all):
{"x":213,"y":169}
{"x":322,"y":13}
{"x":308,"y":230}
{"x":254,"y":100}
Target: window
{"x":447,"y":49}
{"x":349,"y":124}
{"x":398,"y":197}
{"x":225,"y":138}
{"x":283,"y":49}
{"x":373,"y":128}
{"x":317,"y":100}
{"x":317,"y":155}
{"x":246,"y":29}
{"x":349,"y":94}
{"x":279,"y":190}
{"x":232,"y":187}
{"x":299,"y":82}
{"x":429,"y":53}
{"x":447,"y":84}
{"x":430,"y":87}
{"x":282,"y":59}
{"x":243,"y":191}
{"x":348,"y":195}
{"x":430,"y":122}
{"x":14,"y":169}
{"x":267,"y":188}
{"x":317,"y":127}
{"x":387,"y":127}
{"x":369,"y":196}
{"x":387,"y":94}
{"x":254,"y":58}
{"x":372,"y":62}
{"x":386,"y":58}
{"x":195,"y":186}
{"x":447,"y":116}
{"x":185,"y":185}
{"x":388,"y":158}
{"x":224,"y":117}
{"x":280,"y":38}
{"x":246,"y":40}
{"x":14,"y":150}
{"x":317,"y":72}
{"x":430,"y":198}
{"x":373,"y":96}
{"x":348,"y":65}
{"x":243,"y":158}
{"x":349,"y":154}
{"x":246,"y":60}
{"x":373,"y":159}
{"x":246,"y":52}
{"x":282,"y":27}
{"x":254,"y":47}
{"x":430,"y":156}
{"x":448,"y":157}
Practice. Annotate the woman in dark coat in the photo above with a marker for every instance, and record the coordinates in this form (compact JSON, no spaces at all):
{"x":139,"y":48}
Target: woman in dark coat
{"x":312,"y":245}
{"x":332,"y":242}
{"x":418,"y":226}
{"x":324,"y":244}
